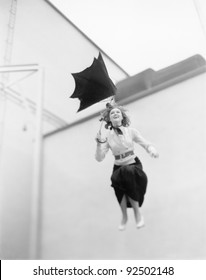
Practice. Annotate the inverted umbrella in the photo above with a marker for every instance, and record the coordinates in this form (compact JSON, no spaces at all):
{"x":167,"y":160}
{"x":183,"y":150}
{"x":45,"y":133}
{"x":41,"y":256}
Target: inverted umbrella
{"x":93,"y":84}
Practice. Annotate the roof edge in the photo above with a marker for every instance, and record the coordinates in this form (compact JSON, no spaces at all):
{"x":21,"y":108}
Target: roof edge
{"x":148,"y":82}
{"x":89,"y":39}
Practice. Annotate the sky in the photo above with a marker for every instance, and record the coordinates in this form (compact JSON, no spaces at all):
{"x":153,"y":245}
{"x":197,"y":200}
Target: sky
{"x":141,"y":34}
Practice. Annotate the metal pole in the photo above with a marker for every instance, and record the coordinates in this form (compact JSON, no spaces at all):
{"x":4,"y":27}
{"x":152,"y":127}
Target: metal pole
{"x":19,"y":68}
{"x":37,"y":167}
{"x":35,"y":241}
{"x":200,"y":15}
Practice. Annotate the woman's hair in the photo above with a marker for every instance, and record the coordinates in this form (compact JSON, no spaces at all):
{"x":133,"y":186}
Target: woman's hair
{"x":105,"y":115}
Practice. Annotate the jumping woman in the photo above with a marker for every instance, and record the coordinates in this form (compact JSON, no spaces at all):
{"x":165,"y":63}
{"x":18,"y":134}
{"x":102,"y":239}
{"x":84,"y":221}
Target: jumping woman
{"x":128,"y":178}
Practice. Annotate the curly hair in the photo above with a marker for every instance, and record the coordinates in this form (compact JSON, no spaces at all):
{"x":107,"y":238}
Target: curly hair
{"x":105,"y":115}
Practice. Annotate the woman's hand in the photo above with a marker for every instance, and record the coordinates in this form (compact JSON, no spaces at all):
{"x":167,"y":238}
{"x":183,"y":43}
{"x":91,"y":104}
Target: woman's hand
{"x":99,"y":138}
{"x":153,"y":152}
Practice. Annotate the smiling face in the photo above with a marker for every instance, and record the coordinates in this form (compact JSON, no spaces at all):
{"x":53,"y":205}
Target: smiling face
{"x":116,"y":117}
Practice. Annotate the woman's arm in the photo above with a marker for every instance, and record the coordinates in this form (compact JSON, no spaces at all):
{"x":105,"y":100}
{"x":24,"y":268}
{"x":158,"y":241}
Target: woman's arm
{"x":102,"y":148}
{"x":138,"y":138}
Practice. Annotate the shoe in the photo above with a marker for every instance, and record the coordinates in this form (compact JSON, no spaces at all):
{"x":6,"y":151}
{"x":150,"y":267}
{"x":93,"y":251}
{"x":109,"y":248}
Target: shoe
{"x":122,"y":227}
{"x":140,"y":224}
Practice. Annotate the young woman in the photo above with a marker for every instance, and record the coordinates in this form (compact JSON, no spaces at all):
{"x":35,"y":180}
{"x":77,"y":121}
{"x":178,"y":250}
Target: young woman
{"x":128,"y":178}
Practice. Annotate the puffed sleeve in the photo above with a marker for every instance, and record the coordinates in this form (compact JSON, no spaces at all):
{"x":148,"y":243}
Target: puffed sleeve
{"x":138,"y":138}
{"x":101,"y":151}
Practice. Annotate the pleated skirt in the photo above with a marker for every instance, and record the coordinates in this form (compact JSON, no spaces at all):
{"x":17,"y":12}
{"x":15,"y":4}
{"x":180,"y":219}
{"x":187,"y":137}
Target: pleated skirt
{"x":129,"y":180}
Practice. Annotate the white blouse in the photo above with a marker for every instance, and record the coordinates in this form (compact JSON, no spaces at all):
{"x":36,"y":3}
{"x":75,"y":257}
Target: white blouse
{"x":120,"y":144}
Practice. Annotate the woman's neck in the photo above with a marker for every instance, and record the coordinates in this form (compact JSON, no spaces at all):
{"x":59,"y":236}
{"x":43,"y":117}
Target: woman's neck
{"x":116,"y":125}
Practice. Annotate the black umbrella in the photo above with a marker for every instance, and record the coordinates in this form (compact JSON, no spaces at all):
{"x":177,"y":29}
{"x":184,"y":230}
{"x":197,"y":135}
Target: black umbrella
{"x":93,"y":84}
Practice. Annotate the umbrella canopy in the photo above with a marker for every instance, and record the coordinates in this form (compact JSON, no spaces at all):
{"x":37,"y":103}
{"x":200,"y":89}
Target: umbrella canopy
{"x":93,"y":84}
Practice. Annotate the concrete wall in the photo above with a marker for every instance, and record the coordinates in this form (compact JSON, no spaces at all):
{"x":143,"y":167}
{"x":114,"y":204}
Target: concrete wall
{"x":53,"y":42}
{"x":16,"y":176}
{"x":80,"y":213}
{"x":42,"y":36}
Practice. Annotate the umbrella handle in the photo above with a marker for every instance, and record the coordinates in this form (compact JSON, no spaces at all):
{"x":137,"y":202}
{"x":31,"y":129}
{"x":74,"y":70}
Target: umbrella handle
{"x":99,"y":137}
{"x":101,"y":126}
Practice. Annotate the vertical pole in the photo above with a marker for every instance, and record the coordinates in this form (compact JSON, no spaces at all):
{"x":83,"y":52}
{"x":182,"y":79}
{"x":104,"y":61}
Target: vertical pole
{"x":35,"y":241}
{"x":3,"y":107}
{"x":201,"y":12}
{"x":2,"y":128}
{"x":201,"y":15}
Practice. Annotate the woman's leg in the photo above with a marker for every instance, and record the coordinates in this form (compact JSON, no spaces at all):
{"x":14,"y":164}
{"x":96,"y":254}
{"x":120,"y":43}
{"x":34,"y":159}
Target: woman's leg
{"x":137,"y":214}
{"x":123,"y":206}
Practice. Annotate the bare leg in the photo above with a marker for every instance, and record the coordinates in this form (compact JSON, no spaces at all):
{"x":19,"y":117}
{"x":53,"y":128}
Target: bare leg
{"x":137,"y":214}
{"x":123,"y":206}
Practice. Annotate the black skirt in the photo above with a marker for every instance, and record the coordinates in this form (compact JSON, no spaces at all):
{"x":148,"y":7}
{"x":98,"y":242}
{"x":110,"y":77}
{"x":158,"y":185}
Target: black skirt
{"x":129,"y":180}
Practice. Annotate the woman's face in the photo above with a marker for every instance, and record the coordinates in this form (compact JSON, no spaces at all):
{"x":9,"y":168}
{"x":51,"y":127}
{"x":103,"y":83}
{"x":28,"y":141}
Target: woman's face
{"x":115,"y":116}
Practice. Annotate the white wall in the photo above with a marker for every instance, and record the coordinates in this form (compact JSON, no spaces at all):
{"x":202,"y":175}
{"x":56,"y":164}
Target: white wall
{"x":80,"y":213}
{"x":44,"y":37}
{"x":16,"y":162}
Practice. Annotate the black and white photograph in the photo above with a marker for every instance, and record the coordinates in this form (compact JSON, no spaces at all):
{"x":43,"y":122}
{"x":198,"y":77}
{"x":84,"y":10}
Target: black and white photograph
{"x":103,"y":130}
